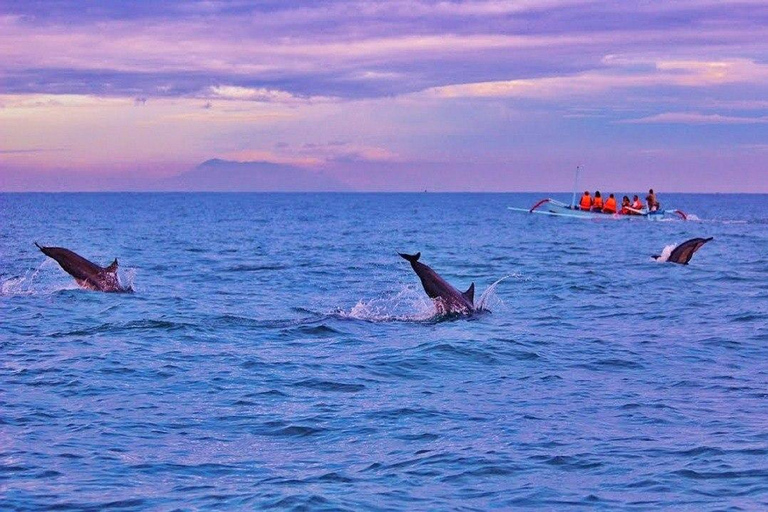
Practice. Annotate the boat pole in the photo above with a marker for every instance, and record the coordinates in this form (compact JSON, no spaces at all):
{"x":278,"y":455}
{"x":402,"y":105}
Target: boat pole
{"x":575,"y":187}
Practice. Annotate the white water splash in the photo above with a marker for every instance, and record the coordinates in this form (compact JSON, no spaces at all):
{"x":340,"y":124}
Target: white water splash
{"x":411,"y":305}
{"x":126,"y":277}
{"x":15,"y":286}
{"x":665,"y":253}
{"x":28,"y":284}
{"x":406,"y":305}
{"x":489,"y":297}
{"x":48,"y":278}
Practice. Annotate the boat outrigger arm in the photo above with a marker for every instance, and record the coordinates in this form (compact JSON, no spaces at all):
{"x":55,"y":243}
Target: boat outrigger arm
{"x":550,"y":206}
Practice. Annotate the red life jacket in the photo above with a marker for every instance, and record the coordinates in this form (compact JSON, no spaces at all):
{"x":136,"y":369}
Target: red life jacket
{"x":610,"y":205}
{"x":625,"y":207}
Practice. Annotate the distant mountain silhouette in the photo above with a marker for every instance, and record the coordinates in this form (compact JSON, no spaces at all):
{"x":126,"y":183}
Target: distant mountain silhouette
{"x":218,"y":175}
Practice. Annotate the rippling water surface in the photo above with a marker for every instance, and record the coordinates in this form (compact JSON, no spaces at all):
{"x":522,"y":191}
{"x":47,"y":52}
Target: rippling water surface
{"x":278,"y":353}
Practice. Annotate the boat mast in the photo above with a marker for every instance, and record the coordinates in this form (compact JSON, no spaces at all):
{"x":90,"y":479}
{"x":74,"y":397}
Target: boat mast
{"x":575,"y":187}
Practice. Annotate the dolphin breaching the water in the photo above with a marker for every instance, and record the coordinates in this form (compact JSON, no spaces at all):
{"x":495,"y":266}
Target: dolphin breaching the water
{"x":447,"y":299}
{"x":683,"y":253}
{"x":88,"y":275}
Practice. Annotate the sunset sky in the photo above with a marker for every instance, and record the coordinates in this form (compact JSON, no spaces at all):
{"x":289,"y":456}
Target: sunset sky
{"x":388,"y":95}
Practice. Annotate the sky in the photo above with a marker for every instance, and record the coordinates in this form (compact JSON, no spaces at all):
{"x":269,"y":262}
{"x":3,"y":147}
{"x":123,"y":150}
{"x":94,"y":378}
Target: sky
{"x":389,"y":95}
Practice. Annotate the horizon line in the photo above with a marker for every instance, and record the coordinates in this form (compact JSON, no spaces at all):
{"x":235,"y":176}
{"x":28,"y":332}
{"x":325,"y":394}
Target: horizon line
{"x":297,"y":192}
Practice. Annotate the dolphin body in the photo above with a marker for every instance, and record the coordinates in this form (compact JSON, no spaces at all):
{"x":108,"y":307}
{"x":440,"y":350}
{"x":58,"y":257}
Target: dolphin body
{"x":447,"y":299}
{"x":88,"y":275}
{"x":683,"y":253}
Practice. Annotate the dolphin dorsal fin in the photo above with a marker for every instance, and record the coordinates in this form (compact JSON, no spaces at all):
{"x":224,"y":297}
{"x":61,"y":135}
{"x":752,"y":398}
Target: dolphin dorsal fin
{"x":112,"y":267}
{"x":411,"y":257}
{"x":470,"y":293}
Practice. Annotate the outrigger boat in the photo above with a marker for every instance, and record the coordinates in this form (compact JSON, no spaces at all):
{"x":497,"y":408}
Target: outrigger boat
{"x":549,"y":206}
{"x":552,"y":207}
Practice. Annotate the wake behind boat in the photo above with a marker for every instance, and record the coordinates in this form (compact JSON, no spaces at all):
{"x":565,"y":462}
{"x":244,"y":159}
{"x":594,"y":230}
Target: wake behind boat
{"x":556,"y":208}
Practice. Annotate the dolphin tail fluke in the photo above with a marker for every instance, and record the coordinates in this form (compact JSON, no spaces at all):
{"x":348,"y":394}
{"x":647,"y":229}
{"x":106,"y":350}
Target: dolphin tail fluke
{"x":470,"y":293}
{"x":656,"y":256}
{"x":39,"y":246}
{"x":413,"y":258}
{"x":112,"y":267}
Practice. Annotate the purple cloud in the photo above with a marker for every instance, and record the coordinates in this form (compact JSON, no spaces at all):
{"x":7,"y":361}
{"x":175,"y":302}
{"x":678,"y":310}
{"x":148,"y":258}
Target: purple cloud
{"x":401,"y":83}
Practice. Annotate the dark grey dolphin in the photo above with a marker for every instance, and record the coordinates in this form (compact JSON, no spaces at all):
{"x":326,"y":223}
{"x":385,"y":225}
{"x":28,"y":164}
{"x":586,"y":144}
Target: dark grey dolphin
{"x":683,"y":253}
{"x":447,"y":299}
{"x":88,"y":275}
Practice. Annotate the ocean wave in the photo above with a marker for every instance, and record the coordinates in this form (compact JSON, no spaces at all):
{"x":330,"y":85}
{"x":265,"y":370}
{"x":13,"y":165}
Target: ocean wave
{"x":325,"y":385}
{"x":599,"y":380}
{"x":122,"y":327}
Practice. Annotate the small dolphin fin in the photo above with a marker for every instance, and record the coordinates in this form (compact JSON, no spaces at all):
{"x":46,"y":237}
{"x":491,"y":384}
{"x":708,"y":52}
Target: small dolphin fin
{"x":470,"y":293}
{"x":38,"y":246}
{"x":411,"y":257}
{"x":112,"y":267}
{"x":709,"y":239}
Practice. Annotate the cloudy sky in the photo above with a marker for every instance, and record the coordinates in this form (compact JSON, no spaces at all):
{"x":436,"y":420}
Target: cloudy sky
{"x":388,"y":95}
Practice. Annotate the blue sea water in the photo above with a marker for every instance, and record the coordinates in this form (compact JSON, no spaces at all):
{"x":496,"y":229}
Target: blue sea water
{"x":278,"y":354}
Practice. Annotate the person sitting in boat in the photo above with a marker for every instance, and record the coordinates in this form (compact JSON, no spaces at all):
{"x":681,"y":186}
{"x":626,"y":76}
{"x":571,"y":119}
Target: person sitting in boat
{"x":637,"y":204}
{"x":610,"y":204}
{"x":625,"y":204}
{"x":586,"y":201}
{"x":597,"y":204}
{"x":653,"y":204}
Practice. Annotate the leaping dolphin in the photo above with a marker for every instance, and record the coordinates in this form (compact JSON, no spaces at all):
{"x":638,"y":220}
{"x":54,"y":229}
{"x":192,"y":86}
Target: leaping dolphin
{"x":88,"y":275}
{"x":447,"y":299}
{"x":683,"y":253}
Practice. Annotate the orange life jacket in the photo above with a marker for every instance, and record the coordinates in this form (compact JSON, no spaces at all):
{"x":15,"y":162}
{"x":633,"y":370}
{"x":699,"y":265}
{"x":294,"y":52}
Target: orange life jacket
{"x":610,"y":205}
{"x":586,"y":202}
{"x":598,"y":204}
{"x":637,"y":205}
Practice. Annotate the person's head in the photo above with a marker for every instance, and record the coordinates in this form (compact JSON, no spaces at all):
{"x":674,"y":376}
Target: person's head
{"x":610,"y":195}
{"x":597,"y":193}
{"x":635,"y":198}
{"x":625,"y":198}
{"x":586,"y":192}
{"x":650,"y":191}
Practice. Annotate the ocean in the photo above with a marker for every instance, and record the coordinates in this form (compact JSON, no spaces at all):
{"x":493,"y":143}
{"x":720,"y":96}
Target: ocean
{"x":277,"y":353}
